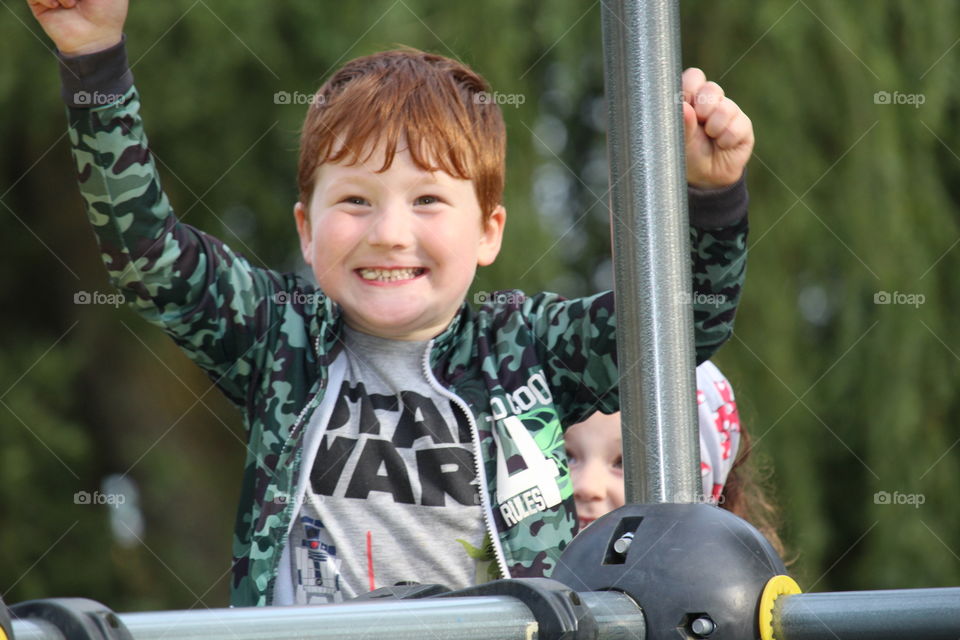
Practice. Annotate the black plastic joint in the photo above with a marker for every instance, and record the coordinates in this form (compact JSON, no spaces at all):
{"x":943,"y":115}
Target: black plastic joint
{"x":696,"y":571}
{"x":558,"y":609}
{"x":76,"y":618}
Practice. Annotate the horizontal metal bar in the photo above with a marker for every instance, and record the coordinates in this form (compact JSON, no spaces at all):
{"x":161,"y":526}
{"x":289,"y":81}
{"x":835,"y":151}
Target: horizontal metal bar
{"x":476,"y":618}
{"x":918,"y":614}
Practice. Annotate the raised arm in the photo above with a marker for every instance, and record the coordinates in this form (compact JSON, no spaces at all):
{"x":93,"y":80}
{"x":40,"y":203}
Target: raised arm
{"x":211,"y":301}
{"x":577,"y":336}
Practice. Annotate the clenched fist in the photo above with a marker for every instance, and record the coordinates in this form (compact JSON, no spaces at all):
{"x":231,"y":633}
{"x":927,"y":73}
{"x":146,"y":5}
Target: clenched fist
{"x":718,"y":136}
{"x":81,"y":26}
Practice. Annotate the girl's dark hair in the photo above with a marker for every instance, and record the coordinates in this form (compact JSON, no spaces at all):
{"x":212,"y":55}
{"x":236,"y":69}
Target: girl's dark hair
{"x":745,"y":494}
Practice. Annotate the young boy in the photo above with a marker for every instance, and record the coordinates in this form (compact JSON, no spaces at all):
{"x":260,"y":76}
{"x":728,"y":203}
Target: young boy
{"x":392,"y":430}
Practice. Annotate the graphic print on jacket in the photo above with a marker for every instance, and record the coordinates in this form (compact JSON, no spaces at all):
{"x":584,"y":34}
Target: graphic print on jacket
{"x":527,"y":480}
{"x":533,"y":491}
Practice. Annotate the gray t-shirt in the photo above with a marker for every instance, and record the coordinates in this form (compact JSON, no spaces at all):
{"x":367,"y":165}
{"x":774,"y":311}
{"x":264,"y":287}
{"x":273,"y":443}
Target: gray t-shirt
{"x":392,"y":494}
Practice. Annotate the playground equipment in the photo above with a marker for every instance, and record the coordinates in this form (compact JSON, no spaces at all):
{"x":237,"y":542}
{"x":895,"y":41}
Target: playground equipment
{"x":669,"y":568}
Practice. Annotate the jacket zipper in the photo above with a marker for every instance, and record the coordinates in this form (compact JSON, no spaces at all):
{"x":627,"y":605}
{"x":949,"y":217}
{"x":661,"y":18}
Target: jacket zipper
{"x":271,"y":584}
{"x":477,"y":460}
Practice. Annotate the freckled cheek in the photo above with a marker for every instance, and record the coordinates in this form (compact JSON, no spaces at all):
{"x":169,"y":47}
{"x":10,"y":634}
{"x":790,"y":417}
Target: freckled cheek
{"x":335,"y":238}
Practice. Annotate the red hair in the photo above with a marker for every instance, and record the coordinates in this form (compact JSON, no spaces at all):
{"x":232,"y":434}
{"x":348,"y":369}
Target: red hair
{"x":437,"y":106}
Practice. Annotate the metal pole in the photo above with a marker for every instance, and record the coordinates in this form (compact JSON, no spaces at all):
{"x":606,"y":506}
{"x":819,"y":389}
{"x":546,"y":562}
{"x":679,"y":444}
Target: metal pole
{"x":651,"y":251}
{"x":475,"y":618}
{"x":923,"y":614}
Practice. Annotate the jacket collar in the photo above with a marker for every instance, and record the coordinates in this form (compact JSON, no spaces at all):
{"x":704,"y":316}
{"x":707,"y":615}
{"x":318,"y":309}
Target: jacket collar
{"x":328,"y":334}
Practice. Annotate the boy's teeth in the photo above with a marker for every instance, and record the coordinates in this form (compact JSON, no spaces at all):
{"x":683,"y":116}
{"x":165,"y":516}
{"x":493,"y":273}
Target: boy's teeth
{"x":389,"y":275}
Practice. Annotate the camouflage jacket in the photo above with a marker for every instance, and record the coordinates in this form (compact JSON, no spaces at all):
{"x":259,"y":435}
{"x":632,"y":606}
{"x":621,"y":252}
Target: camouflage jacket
{"x":521,"y":369}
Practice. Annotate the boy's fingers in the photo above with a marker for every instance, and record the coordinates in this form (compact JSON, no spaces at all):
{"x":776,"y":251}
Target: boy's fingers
{"x":689,"y":123}
{"x":728,"y":140}
{"x":738,"y":132}
{"x":707,"y":99}
{"x":721,"y":117}
{"x":53,"y":4}
{"x":690,"y":83}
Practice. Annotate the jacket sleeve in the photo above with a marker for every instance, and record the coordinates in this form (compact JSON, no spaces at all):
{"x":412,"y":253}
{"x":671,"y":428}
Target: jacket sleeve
{"x":576,"y":339}
{"x":718,"y":246}
{"x":210,"y":300}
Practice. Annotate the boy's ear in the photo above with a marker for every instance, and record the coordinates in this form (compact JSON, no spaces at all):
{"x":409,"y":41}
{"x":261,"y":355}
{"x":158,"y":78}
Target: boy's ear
{"x":492,"y":236}
{"x":302,"y":216}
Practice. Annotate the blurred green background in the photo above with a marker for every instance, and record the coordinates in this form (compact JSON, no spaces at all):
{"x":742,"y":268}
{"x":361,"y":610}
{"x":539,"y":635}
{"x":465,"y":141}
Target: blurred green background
{"x":855,"y":185}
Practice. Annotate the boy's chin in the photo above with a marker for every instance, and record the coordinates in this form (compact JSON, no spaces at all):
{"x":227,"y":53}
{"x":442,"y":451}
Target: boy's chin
{"x":394,"y":326}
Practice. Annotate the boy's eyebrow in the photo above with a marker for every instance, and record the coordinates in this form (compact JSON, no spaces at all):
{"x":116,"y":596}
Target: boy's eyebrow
{"x":349,"y":180}
{"x":363,"y":179}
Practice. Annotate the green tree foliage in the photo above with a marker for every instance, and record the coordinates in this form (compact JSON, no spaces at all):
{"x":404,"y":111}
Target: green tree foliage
{"x":850,"y":197}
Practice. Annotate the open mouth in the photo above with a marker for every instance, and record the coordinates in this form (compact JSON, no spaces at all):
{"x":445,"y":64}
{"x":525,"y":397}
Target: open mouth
{"x":379,"y":274}
{"x":584,"y":522}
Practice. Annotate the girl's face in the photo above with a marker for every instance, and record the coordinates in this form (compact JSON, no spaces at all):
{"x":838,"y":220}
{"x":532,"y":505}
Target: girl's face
{"x":593,"y":451}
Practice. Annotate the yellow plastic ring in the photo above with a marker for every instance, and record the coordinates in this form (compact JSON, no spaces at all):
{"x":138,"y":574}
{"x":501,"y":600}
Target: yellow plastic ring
{"x":777,"y":586}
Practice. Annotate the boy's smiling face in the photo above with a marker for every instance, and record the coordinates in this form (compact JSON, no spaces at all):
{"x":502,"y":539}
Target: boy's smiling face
{"x":397,"y":249}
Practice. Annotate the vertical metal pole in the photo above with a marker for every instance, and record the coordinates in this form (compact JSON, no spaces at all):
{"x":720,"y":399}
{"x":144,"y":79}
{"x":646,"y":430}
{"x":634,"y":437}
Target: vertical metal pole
{"x":651,"y":250}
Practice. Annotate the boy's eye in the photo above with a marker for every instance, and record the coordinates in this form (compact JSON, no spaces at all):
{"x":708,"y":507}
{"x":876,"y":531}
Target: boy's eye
{"x":425,"y":200}
{"x":357,"y":200}
{"x":571,"y":459}
{"x":618,"y":462}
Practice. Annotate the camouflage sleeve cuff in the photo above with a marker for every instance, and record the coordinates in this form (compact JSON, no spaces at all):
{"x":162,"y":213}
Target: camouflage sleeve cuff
{"x":96,"y":79}
{"x":715,"y":208}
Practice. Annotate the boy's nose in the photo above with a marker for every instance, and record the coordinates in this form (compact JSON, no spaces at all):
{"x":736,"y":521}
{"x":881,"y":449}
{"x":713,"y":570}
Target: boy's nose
{"x":392,"y":226}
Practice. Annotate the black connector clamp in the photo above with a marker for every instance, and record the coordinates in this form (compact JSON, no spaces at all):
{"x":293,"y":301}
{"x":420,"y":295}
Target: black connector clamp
{"x":696,"y":570}
{"x":76,"y":618}
{"x":558,"y":609}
